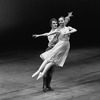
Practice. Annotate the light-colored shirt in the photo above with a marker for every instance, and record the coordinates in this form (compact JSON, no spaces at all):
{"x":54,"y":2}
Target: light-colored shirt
{"x":52,"y":38}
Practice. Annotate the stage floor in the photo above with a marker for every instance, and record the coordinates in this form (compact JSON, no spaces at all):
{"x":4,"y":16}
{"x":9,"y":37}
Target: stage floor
{"x":79,"y":79}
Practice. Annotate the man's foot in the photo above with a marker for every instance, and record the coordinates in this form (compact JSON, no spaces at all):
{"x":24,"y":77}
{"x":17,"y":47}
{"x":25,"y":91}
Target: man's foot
{"x":50,"y":89}
{"x":36,"y":73}
{"x":45,"y":89}
{"x":40,"y":75}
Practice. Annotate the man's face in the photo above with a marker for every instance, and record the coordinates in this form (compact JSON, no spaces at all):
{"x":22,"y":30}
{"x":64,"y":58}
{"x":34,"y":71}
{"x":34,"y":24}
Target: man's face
{"x":61,"y":21}
{"x":54,"y":24}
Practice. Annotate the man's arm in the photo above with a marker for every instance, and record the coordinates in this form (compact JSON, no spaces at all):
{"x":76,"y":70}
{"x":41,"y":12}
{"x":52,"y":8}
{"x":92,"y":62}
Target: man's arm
{"x":54,"y":32}
{"x":45,"y":34}
{"x":35,"y":35}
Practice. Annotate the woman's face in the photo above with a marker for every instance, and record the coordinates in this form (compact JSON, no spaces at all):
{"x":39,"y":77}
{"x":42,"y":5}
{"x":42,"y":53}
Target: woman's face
{"x":61,"y":21}
{"x":54,"y":24}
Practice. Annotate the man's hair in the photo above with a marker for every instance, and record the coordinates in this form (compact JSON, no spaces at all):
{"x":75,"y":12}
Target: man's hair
{"x":53,"y":19}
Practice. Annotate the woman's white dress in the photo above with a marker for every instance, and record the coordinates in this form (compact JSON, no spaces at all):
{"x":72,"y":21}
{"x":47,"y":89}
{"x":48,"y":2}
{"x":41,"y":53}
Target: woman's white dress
{"x":59,"y":52}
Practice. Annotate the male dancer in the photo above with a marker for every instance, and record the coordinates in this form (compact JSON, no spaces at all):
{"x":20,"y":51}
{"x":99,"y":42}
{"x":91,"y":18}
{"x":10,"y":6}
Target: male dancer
{"x":52,"y":41}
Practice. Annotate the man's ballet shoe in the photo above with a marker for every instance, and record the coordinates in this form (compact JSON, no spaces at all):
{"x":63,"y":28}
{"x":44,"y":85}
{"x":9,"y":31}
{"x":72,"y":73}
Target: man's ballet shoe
{"x":50,"y":89}
{"x":40,"y":75}
{"x":45,"y":89}
{"x":36,"y":73}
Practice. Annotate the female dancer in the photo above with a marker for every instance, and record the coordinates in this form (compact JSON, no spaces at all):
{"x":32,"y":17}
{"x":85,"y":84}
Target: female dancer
{"x":58,"y":54}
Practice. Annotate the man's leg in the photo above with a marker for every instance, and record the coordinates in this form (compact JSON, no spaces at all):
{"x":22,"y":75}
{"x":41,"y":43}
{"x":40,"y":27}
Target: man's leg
{"x":49,"y":77}
{"x":45,"y":81}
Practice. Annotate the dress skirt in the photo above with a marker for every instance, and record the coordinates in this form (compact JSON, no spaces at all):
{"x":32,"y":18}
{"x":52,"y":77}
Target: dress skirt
{"x":58,"y":53}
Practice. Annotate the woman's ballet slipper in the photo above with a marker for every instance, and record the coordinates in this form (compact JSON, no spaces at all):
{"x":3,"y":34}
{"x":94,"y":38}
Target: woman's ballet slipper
{"x":40,"y":75}
{"x":36,"y":73}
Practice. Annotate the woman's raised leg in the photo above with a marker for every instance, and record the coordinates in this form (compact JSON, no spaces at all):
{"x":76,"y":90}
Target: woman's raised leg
{"x":41,"y":67}
{"x":48,"y":65}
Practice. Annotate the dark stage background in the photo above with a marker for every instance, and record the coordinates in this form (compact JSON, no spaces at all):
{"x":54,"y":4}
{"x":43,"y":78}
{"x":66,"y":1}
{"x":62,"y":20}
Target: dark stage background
{"x":19,"y":19}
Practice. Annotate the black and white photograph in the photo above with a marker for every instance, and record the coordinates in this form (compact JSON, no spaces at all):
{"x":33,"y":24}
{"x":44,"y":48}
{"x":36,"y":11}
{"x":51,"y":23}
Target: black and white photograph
{"x":49,"y":50}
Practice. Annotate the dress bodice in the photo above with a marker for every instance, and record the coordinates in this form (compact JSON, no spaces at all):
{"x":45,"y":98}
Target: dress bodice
{"x":64,"y":34}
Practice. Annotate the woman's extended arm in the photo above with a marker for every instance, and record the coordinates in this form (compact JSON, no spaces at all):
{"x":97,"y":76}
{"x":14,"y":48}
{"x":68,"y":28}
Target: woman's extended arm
{"x":67,"y":18}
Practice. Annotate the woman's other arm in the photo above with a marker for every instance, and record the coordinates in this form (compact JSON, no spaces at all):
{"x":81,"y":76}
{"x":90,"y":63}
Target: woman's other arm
{"x":71,"y":30}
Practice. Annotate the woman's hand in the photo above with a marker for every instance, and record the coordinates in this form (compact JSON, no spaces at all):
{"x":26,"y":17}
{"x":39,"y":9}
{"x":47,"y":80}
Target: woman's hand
{"x":70,"y":14}
{"x":35,"y":35}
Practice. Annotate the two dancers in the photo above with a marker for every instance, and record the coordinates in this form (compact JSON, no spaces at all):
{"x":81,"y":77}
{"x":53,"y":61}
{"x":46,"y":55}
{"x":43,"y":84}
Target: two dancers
{"x":58,"y":53}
